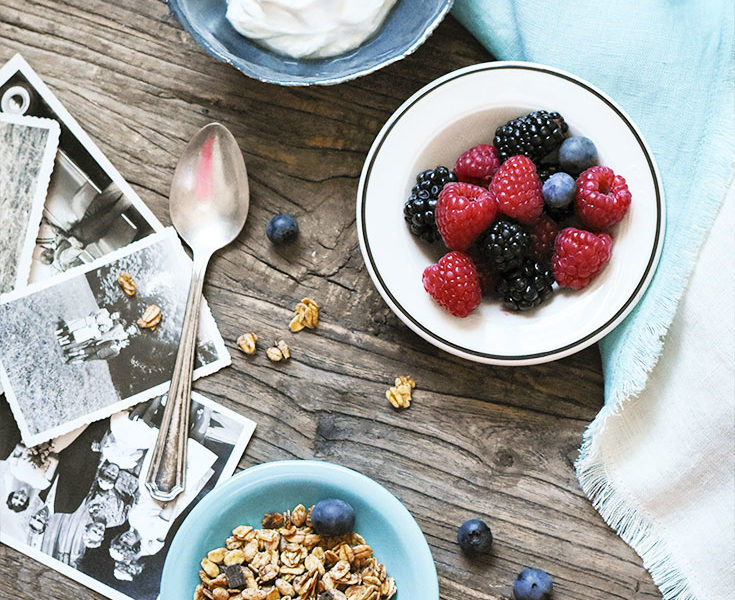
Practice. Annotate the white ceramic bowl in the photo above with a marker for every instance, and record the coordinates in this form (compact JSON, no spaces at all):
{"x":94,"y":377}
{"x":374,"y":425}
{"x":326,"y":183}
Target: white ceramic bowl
{"x":433,"y":128}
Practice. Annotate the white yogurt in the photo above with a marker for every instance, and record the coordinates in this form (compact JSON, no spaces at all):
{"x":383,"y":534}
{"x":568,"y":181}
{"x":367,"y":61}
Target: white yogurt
{"x":308,"y":28}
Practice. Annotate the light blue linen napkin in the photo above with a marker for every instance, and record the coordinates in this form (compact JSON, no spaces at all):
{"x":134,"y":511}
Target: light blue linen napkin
{"x":670,"y":65}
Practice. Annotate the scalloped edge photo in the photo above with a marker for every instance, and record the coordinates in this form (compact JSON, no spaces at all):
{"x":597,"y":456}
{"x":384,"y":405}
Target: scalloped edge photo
{"x":28,"y":197}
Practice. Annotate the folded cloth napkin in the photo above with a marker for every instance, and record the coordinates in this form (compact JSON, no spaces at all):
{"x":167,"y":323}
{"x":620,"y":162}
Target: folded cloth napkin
{"x":658,"y":462}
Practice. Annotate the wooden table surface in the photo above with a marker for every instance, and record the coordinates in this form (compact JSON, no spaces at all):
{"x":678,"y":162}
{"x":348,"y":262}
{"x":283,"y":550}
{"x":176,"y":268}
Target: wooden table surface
{"x":485,"y":441}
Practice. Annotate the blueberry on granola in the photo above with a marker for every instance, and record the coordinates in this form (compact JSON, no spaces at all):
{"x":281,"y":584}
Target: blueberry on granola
{"x":332,"y":517}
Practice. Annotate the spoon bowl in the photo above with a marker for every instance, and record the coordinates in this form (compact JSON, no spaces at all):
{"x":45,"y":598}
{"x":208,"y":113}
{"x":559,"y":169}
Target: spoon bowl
{"x":210,"y":196}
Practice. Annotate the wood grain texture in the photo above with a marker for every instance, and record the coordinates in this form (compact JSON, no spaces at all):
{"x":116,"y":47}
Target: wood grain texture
{"x":489,"y":441}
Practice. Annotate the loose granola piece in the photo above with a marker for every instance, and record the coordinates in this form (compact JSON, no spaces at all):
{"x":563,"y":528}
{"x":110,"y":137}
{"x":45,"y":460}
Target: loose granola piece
{"x":241,"y":532}
{"x":220,"y":594}
{"x":210,"y":568}
{"x":151,"y":317}
{"x":232,"y":542}
{"x":217,"y":555}
{"x":388,"y":589}
{"x":278,"y":351}
{"x":267,"y":573}
{"x":272,"y":520}
{"x":127,"y":283}
{"x":298,"y":515}
{"x":234,"y":557}
{"x":306,"y":584}
{"x":306,"y":314}
{"x":332,"y":595}
{"x":246,"y":342}
{"x":284,"y":587}
{"x":219,"y":581}
{"x":400,"y":394}
{"x":362,"y":553}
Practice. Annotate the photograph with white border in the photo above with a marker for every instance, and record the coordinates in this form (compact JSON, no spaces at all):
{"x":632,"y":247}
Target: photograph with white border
{"x":89,"y":209}
{"x":76,"y":348}
{"x":27,"y":151}
{"x":79,"y":504}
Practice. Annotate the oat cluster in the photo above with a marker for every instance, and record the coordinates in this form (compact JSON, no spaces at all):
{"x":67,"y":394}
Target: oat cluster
{"x":247,"y":342}
{"x":286,"y":560}
{"x":127,"y":283}
{"x":278,"y":351}
{"x":151,"y":317}
{"x":399,"y":395}
{"x":306,"y":314}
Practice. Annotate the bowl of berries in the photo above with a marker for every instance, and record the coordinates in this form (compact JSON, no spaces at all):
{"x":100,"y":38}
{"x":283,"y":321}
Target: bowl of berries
{"x":510,"y":213}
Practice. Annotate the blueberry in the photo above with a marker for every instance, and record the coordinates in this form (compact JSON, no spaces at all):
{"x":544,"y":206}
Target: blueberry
{"x":559,"y":190}
{"x":475,"y":537}
{"x":532,"y":584}
{"x":576,"y":154}
{"x":282,"y":229}
{"x":332,"y":518}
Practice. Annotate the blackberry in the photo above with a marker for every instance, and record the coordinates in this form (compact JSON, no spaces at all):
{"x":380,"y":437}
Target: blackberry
{"x":419,"y":208}
{"x":505,"y":245}
{"x":533,"y":135}
{"x":546,"y":170}
{"x":527,"y":287}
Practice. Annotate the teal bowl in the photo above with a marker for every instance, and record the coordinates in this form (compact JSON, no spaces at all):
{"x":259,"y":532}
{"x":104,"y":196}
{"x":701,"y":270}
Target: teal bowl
{"x":380,"y":518}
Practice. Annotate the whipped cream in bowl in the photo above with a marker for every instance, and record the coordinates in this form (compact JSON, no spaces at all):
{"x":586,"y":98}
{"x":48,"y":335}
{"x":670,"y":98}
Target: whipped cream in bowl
{"x":308,"y":28}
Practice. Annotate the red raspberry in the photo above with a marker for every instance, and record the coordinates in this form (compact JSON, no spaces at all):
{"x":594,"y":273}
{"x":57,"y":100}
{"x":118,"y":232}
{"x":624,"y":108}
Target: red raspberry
{"x":579,"y":256}
{"x":602,"y":198}
{"x":453,"y":282}
{"x":517,"y":189}
{"x":543,"y":234}
{"x":478,"y":165}
{"x":463,"y":212}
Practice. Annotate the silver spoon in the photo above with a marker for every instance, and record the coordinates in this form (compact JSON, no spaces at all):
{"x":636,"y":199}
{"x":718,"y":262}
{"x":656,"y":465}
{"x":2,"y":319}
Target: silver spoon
{"x":209,"y":204}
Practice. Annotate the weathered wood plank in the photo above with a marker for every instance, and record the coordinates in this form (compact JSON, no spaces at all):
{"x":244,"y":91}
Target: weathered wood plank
{"x":478,"y":440}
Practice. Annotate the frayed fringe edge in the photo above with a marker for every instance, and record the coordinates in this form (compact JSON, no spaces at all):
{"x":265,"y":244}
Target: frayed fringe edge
{"x":642,"y":345}
{"x":625,"y":519}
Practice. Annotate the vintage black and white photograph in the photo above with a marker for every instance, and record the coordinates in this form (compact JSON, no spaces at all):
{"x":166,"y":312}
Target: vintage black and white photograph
{"x":81,"y":222}
{"x":27,"y":150}
{"x":79,"y":504}
{"x":100,"y":338}
{"x":89,"y":210}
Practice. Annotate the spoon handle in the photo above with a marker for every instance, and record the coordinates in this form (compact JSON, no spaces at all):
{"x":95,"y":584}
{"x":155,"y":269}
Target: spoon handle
{"x":167,"y":473}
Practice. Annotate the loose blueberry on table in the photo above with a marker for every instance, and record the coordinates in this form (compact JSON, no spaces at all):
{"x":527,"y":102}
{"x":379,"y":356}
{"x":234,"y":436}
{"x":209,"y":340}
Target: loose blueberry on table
{"x":282,"y":229}
{"x":475,"y":537}
{"x":521,"y":218}
{"x":532,"y":584}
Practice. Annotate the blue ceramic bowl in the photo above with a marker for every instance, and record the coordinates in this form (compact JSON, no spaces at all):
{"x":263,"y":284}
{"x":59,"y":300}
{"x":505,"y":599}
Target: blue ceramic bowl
{"x":272,"y":487}
{"x":407,"y":26}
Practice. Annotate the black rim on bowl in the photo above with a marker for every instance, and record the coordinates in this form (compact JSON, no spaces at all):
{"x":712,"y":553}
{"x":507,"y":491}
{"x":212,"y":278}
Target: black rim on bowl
{"x":585,"y":340}
{"x":205,"y":21}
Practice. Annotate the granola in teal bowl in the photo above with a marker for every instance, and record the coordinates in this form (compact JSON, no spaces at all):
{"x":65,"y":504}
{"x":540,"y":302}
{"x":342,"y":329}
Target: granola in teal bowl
{"x":388,"y":553}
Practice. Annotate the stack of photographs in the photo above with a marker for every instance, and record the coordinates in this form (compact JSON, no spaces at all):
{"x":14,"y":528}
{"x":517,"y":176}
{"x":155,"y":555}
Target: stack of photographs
{"x":84,"y":376}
